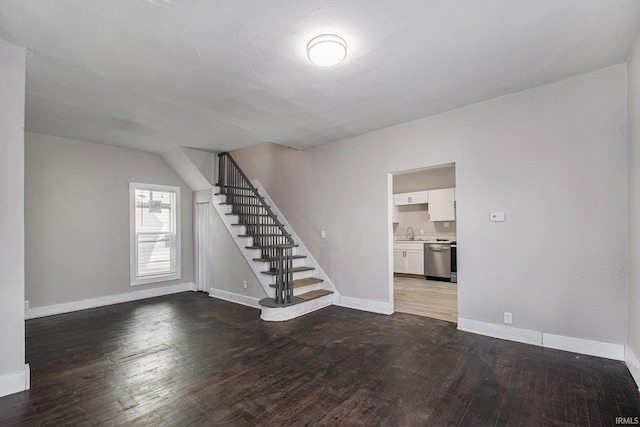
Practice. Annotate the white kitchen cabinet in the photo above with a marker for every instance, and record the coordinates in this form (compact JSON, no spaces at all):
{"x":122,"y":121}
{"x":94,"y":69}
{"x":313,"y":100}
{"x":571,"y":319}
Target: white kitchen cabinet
{"x":442,"y":205}
{"x":415,"y":198}
{"x":398,"y":261}
{"x":414,"y":262}
{"x":408,"y":258}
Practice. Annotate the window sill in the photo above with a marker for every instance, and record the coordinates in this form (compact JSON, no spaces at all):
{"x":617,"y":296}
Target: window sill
{"x":155,"y":279}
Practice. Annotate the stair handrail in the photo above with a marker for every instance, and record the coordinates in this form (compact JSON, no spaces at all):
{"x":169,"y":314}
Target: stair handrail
{"x":228,"y":172}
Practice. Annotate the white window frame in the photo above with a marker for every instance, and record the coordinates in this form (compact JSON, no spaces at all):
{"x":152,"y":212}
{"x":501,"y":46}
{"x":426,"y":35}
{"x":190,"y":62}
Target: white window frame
{"x":134,"y":279}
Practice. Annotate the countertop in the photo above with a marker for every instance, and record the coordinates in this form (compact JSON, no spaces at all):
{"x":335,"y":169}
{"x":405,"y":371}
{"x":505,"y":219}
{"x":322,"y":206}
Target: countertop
{"x":424,"y":239}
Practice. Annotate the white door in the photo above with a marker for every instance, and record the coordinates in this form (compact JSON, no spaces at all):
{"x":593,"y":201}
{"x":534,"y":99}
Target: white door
{"x":201,"y":237}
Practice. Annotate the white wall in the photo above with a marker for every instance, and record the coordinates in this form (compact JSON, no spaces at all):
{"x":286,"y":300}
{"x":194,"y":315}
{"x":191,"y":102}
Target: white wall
{"x":425,"y":179}
{"x":417,"y":217}
{"x":553,"y":158}
{"x":634,"y":211}
{"x":228,"y":266}
{"x":77,"y":218}
{"x":12,"y":88}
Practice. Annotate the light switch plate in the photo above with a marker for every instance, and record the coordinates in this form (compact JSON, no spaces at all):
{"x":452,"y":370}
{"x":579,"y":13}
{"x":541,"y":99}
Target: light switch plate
{"x":496,"y":216}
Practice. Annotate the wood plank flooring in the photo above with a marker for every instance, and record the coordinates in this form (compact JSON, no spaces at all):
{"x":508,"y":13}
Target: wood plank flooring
{"x":188,"y":359}
{"x":429,"y":298}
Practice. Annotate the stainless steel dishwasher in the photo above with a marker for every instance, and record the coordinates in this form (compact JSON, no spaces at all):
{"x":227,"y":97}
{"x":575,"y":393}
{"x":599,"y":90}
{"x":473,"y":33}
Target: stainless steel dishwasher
{"x":437,"y":261}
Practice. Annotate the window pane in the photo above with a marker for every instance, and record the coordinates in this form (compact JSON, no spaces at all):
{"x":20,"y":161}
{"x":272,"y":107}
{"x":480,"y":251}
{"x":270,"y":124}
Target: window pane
{"x":154,"y":211}
{"x":154,"y":254}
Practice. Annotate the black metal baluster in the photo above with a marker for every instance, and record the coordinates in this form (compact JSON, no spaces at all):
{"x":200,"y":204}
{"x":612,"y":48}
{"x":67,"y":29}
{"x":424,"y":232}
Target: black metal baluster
{"x":261,"y":223}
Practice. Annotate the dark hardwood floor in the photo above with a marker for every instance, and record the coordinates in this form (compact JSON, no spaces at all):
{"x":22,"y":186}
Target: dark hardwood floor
{"x":190,"y":359}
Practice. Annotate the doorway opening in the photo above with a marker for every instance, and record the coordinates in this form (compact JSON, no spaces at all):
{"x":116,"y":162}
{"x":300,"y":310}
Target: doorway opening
{"x":423,"y":240}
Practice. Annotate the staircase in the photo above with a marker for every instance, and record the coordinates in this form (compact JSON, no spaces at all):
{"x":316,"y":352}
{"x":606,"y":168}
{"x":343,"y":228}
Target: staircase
{"x":285,"y":274}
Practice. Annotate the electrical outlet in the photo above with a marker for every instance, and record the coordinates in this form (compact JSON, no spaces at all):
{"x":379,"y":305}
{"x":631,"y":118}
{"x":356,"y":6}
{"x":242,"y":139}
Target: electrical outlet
{"x":421,"y":232}
{"x":508,"y":318}
{"x":244,"y":284}
{"x":323,"y":234}
{"x":26,"y":304}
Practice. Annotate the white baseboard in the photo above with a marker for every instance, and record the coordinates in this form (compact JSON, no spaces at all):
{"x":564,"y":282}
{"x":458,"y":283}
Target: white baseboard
{"x":582,"y":346}
{"x":633,"y":364}
{"x":237,"y":298}
{"x":68,"y":307}
{"x":526,"y":336}
{"x":366,"y":305}
{"x":543,"y":339}
{"x":15,"y":382}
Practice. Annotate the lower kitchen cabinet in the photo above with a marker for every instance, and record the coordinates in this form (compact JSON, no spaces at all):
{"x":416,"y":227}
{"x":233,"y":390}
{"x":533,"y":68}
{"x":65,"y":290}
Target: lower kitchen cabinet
{"x":408,"y":258}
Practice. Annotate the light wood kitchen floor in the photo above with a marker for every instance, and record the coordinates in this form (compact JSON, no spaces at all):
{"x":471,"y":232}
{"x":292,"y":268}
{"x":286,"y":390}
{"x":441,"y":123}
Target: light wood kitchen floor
{"x":428,"y":298}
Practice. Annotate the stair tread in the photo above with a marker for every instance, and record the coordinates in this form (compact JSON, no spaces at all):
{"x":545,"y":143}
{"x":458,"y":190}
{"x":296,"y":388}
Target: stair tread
{"x":237,"y":187}
{"x":244,"y":204}
{"x":248,"y":214}
{"x":294,"y":269}
{"x":237,"y":195}
{"x":307,"y":296}
{"x":267,"y":246}
{"x":275,"y":259}
{"x":254,"y":225}
{"x":303,"y":282}
{"x":261,"y":235}
{"x":306,"y":282}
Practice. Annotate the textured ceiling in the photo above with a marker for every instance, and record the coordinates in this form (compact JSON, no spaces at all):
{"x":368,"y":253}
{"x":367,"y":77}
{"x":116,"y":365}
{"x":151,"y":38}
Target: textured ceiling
{"x":221,"y":75}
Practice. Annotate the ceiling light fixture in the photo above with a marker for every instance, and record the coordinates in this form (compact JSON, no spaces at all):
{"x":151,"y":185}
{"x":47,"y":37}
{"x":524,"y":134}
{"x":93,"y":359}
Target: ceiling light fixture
{"x":327,"y":50}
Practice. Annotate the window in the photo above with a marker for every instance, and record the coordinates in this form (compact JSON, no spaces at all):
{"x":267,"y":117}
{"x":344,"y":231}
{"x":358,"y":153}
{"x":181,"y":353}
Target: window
{"x":155,"y":233}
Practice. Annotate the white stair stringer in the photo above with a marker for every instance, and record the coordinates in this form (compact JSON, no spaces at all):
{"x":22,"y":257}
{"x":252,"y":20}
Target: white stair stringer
{"x":278,"y":313}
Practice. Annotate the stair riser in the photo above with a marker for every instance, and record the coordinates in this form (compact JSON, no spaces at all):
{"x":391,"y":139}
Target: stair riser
{"x":304,"y":289}
{"x":296,"y":263}
{"x":287,"y":313}
{"x":297,"y":275}
{"x":248,"y":241}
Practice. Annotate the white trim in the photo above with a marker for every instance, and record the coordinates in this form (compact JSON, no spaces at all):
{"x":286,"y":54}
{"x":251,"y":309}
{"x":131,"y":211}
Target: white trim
{"x":15,"y":382}
{"x":582,"y":346}
{"x":543,"y":339}
{"x":68,"y":307}
{"x":237,"y":298}
{"x":390,"y":208}
{"x":526,"y":336}
{"x":281,"y":314}
{"x":633,"y":364}
{"x":202,"y":247}
{"x":366,"y":305}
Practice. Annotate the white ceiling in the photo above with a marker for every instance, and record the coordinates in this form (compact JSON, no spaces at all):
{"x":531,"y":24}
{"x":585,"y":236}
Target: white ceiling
{"x":221,"y":75}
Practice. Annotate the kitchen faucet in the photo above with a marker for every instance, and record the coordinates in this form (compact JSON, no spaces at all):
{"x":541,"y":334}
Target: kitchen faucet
{"x":410,"y":234}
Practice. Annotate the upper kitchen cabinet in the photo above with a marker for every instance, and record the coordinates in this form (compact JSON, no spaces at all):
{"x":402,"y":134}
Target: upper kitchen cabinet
{"x":415,"y":198}
{"x":442,"y":205}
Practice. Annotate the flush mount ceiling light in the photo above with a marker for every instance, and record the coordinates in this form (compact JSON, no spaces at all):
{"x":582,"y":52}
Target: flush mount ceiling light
{"x":327,"y":50}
